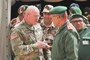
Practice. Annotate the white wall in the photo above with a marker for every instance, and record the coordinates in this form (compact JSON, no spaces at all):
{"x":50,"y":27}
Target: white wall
{"x":5,"y":9}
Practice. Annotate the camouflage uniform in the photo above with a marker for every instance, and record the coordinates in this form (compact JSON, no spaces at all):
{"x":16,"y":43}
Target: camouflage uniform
{"x":48,"y":37}
{"x":23,"y":38}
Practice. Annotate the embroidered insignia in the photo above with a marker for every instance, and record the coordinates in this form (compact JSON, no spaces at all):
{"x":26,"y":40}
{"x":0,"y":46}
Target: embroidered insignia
{"x":69,"y":27}
{"x":88,"y":25}
{"x":13,"y":36}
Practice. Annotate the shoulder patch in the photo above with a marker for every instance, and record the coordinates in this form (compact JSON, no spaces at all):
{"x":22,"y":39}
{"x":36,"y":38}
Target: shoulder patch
{"x":13,"y":36}
{"x":88,"y":25}
{"x":69,"y":27}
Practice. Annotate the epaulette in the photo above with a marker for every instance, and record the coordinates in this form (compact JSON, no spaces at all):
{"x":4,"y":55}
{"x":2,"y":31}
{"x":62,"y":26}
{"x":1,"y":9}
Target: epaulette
{"x":14,"y":19}
{"x":88,"y":25}
{"x":69,"y":27}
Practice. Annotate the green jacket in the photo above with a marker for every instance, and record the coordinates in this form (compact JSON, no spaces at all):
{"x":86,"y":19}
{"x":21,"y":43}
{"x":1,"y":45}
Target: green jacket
{"x":23,"y":38}
{"x":65,"y":44}
{"x":84,"y":46}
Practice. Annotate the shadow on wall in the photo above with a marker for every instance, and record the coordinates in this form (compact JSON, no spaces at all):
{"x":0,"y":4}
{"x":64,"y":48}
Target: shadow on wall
{"x":42,"y":3}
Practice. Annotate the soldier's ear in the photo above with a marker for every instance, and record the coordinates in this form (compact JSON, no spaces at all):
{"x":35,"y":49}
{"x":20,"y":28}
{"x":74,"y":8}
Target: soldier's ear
{"x":65,"y":15}
{"x":23,"y":13}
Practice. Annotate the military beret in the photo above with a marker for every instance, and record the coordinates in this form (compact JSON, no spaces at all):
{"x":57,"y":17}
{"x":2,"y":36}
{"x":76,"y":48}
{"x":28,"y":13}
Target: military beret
{"x":79,"y":16}
{"x":76,"y":16}
{"x":58,"y":10}
{"x":76,"y":10}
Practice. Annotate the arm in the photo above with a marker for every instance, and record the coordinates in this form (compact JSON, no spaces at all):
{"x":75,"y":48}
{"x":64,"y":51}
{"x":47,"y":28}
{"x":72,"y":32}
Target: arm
{"x":18,"y":45}
{"x":20,"y":48}
{"x":71,"y":46}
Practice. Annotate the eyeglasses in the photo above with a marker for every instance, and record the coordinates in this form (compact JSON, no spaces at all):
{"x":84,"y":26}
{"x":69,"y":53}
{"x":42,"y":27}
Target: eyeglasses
{"x":75,"y":21}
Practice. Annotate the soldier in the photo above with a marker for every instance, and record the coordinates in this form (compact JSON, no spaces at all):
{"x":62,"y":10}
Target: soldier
{"x":84,"y":32}
{"x":65,"y":44}
{"x":20,"y":17}
{"x":74,"y":9}
{"x":26,"y":38}
{"x":47,"y":26}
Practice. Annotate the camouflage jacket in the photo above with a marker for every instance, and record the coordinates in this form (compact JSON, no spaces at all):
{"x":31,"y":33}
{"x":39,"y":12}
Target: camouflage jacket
{"x":48,"y":37}
{"x":23,"y":38}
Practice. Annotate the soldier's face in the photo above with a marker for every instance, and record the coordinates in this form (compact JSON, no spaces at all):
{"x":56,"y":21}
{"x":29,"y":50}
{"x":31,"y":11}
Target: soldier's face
{"x":56,"y":20}
{"x":46,"y":16}
{"x":32,"y":18}
{"x":78,"y":23}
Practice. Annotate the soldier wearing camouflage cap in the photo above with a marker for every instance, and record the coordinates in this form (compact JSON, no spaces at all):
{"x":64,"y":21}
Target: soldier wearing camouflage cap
{"x":20,"y":17}
{"x":26,"y":38}
{"x":84,"y":33}
{"x":47,"y":25}
{"x":65,"y":44}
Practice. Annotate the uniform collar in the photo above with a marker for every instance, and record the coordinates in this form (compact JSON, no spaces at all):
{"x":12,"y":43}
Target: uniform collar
{"x":27,"y":26}
{"x":51,"y":25}
{"x":84,"y":28}
{"x":62,"y":27}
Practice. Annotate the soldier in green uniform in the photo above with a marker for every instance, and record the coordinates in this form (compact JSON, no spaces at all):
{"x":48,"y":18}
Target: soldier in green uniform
{"x":65,"y":44}
{"x":75,"y":9}
{"x":26,"y":38}
{"x":84,"y":32}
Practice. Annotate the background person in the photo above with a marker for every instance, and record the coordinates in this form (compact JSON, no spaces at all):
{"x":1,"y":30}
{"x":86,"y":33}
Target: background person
{"x":84,"y":32}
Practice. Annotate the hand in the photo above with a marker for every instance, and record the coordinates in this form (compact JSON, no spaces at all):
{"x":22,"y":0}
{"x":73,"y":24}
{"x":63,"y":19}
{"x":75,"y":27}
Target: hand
{"x":41,"y":44}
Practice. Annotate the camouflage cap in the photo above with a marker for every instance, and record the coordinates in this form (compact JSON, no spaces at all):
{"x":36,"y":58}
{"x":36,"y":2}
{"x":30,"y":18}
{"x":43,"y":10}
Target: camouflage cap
{"x":22,"y":8}
{"x":47,"y":8}
{"x":76,"y":10}
{"x":58,"y":10}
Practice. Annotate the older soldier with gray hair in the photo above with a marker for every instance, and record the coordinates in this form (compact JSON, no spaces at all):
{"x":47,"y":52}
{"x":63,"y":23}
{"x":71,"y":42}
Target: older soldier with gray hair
{"x":26,"y":38}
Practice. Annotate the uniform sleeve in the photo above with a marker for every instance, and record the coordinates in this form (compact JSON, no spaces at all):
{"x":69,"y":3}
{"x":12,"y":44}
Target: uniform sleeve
{"x":71,"y":46}
{"x":18,"y":47}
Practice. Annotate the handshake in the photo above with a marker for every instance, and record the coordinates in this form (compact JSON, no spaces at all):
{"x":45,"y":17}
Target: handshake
{"x":42,"y":44}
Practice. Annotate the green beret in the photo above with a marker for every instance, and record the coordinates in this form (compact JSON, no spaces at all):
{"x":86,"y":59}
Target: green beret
{"x":58,"y":10}
{"x":79,"y":16}
{"x":76,"y":10}
{"x":76,"y":16}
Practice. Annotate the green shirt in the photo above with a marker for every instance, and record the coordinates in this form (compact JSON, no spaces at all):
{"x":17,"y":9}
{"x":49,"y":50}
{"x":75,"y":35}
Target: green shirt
{"x":84,"y":46}
{"x":65,"y":44}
